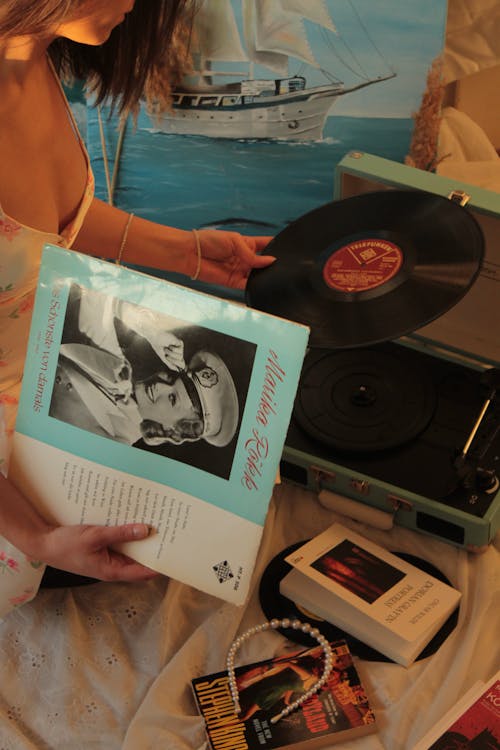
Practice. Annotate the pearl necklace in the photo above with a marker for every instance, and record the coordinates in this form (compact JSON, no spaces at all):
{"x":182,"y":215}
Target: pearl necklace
{"x":305,"y":627}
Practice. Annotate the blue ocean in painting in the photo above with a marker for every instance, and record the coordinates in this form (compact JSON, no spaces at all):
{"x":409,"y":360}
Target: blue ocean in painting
{"x":256,"y":187}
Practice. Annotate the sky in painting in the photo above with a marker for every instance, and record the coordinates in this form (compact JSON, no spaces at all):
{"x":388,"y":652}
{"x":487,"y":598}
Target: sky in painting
{"x":375,"y":36}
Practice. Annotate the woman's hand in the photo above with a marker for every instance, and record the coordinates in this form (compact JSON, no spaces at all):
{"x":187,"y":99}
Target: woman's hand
{"x":87,"y":550}
{"x":228,"y":257}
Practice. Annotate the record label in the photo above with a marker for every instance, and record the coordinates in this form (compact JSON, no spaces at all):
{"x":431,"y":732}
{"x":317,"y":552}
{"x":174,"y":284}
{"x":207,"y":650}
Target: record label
{"x":363,"y":264}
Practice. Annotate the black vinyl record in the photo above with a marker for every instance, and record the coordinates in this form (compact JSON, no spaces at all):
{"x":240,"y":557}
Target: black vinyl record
{"x":275,"y":605}
{"x":370,"y":268}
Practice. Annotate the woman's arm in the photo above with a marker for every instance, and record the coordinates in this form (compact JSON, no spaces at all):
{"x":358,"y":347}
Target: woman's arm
{"x":226,"y":257}
{"x":86,"y":550}
{"x":20,"y":523}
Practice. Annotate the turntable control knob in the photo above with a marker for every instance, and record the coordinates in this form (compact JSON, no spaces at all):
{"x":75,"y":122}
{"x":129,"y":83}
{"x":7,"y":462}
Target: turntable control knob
{"x":486,"y":480}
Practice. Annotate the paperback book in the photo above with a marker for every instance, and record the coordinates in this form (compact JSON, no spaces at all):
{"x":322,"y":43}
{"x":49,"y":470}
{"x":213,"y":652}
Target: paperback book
{"x":340,"y":711}
{"x":145,"y":401}
{"x":370,"y":593}
{"x":474,"y":722}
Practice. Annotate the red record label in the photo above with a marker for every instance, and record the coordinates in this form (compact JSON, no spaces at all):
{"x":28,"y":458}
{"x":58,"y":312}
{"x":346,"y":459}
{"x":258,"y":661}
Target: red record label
{"x":362,"y":264}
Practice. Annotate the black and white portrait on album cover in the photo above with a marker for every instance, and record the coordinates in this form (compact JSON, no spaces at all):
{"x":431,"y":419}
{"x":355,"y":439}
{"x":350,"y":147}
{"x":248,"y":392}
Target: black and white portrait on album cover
{"x":150,"y":380}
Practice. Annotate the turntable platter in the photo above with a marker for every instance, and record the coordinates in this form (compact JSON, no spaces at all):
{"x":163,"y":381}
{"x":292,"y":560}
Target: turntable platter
{"x":363,"y":400}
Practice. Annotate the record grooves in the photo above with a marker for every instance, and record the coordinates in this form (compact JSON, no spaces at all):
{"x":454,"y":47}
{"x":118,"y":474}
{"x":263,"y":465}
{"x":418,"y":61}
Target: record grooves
{"x":370,"y":268}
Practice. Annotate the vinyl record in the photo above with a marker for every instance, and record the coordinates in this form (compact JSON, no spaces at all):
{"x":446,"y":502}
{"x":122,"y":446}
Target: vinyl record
{"x":370,"y":268}
{"x":274,"y":604}
{"x":363,"y":400}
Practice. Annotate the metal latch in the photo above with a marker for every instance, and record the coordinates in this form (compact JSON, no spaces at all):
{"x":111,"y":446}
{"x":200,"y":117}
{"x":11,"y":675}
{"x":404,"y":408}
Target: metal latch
{"x":460,"y":197}
{"x":398,"y":503}
{"x":321,"y":475}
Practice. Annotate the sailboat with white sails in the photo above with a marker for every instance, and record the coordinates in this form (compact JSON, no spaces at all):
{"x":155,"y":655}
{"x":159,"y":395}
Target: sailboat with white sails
{"x":279,"y":107}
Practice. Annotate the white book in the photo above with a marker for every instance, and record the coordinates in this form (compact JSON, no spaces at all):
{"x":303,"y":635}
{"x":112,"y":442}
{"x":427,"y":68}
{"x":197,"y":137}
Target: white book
{"x":370,"y":593}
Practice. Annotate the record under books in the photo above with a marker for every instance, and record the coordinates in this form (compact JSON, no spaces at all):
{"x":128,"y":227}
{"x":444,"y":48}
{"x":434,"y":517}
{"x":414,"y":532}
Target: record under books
{"x":275,"y":605}
{"x":370,"y":268}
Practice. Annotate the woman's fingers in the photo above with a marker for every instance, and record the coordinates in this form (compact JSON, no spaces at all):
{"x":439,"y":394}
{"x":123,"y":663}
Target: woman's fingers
{"x":106,"y":536}
{"x":262,"y":261}
{"x":123,"y":568}
{"x":88,"y":550}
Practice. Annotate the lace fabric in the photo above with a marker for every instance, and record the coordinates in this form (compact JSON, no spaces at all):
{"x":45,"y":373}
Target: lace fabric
{"x":108,"y":666}
{"x":75,"y":664}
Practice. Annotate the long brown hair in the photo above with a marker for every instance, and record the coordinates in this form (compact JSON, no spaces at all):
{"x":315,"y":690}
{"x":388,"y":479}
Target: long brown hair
{"x":146,"y":55}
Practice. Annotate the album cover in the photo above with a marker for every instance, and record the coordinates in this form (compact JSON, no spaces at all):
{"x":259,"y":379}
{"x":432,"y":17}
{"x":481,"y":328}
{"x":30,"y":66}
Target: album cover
{"x":370,"y":593}
{"x":474,"y":722}
{"x":340,"y":711}
{"x":144,"y":401}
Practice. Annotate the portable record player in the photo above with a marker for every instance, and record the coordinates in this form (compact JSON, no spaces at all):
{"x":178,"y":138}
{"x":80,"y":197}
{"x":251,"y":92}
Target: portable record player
{"x":408,"y":422}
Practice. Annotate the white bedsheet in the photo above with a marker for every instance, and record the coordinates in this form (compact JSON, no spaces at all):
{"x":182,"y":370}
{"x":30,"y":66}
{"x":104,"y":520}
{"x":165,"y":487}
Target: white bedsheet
{"x":108,"y":666}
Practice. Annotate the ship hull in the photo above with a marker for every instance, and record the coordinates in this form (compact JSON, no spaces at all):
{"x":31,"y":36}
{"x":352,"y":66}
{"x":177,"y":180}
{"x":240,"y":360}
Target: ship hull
{"x":298,"y":116}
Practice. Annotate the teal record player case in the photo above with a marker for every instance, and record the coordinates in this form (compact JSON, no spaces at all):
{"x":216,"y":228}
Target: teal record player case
{"x":466,"y":338}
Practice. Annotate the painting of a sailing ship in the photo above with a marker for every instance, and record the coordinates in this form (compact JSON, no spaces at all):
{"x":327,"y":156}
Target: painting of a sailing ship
{"x":271,"y":37}
{"x":236,"y":152}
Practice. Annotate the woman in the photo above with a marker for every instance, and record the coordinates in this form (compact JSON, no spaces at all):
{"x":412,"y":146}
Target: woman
{"x":47,"y":195}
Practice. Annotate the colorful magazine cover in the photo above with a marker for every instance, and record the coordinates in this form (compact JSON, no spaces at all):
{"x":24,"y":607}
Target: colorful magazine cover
{"x":473,"y":724}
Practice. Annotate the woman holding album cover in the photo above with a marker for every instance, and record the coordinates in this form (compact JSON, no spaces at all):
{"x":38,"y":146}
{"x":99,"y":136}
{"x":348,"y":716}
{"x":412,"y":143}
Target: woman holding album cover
{"x":124,"y":50}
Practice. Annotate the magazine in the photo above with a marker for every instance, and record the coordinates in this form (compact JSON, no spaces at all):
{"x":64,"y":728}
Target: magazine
{"x":474,"y":722}
{"x":370,"y":593}
{"x":338,"y":712}
{"x":145,"y":401}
